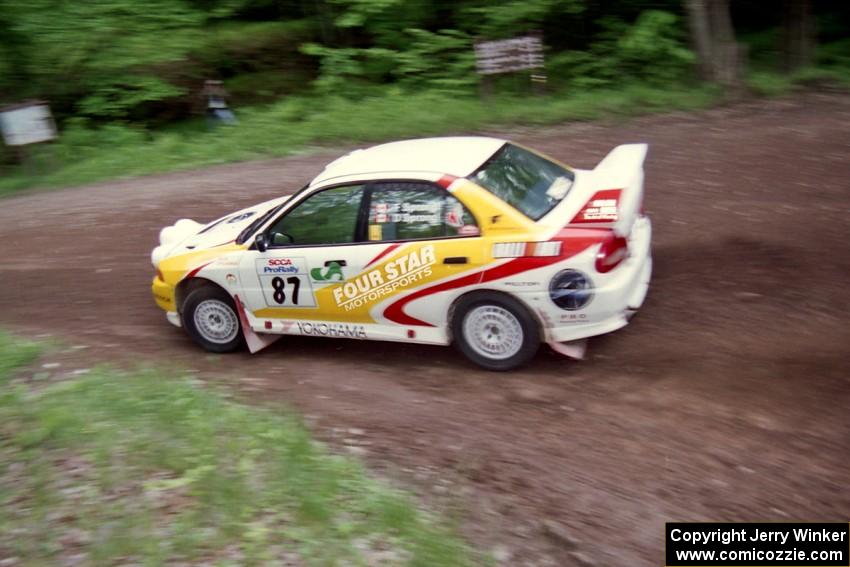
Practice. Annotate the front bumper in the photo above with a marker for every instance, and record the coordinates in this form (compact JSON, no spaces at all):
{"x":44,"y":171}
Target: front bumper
{"x":163,"y":295}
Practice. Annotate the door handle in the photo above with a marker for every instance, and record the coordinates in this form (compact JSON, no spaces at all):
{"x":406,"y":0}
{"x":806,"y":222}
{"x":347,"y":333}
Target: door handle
{"x":338,"y":262}
{"x":456,"y":260}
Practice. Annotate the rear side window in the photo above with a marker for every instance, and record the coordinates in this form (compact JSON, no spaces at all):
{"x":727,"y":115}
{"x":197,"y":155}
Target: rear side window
{"x":413,"y":211}
{"x":528,"y":182}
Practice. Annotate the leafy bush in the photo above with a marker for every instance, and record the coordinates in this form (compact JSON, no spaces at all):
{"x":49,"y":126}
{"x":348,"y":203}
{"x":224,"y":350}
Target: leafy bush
{"x":442,"y":61}
{"x":650,"y":50}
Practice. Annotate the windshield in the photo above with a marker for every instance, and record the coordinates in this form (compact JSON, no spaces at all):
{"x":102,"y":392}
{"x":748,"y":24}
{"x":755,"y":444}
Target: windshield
{"x":528,"y":182}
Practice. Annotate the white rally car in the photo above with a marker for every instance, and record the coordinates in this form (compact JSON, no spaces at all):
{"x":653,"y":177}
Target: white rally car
{"x":473,"y":241}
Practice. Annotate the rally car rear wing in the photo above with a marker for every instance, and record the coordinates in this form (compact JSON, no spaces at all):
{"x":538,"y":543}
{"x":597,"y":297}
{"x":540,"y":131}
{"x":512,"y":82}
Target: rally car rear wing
{"x":615,"y":190}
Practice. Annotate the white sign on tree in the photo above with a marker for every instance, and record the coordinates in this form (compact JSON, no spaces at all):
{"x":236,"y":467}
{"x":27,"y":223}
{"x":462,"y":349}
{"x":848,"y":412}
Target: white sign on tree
{"x":27,"y":123}
{"x":505,"y":56}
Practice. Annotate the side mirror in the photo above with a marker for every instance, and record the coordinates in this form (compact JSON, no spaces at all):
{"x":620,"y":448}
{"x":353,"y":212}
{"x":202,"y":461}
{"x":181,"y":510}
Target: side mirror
{"x":261,"y":242}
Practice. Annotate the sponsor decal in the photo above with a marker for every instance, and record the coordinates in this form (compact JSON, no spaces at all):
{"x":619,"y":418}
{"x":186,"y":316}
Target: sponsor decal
{"x":602,"y":207}
{"x":226,"y":261}
{"x":468,"y":230}
{"x":408,"y":212}
{"x":332,"y":271}
{"x":420,"y":212}
{"x":278,"y":266}
{"x":571,"y":290}
{"x":521,"y":284}
{"x":573,"y":318}
{"x":341,"y":330}
{"x":569,"y":247}
{"x":375,"y":232}
{"x":454,"y":217}
{"x":379,"y":282}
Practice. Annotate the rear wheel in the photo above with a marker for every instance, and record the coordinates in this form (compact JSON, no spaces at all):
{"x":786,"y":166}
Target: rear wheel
{"x":211,"y":320}
{"x":495,"y":331}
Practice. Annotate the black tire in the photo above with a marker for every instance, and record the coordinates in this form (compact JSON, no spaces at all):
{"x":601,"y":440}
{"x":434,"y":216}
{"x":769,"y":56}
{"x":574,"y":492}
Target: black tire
{"x":211,"y":320}
{"x":495,"y":331}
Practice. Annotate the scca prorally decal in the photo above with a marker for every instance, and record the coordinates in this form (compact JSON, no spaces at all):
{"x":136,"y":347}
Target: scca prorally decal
{"x":341,"y":330}
{"x":382,"y":281}
{"x":277,"y":266}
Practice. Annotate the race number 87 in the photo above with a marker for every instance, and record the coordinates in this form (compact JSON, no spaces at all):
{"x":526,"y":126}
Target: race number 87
{"x":280,"y":290}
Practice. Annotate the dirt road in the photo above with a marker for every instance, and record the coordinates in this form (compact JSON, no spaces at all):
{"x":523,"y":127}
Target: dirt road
{"x":726,"y":399}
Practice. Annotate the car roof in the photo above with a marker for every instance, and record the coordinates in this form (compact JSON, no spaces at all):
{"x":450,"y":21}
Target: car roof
{"x":456,"y":155}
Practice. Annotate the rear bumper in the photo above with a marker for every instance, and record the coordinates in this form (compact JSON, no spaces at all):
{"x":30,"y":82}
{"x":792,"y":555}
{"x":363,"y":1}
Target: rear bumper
{"x":623,"y":292}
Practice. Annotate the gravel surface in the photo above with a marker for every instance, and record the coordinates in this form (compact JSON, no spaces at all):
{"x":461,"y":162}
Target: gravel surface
{"x":725,"y":399}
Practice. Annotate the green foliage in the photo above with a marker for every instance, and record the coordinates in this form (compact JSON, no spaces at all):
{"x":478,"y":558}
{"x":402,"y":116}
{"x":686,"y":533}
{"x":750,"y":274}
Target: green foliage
{"x":384,"y":21}
{"x":348,"y":71}
{"x":651,"y":50}
{"x":13,"y":354}
{"x":769,"y":83}
{"x":84,"y":154}
{"x":154,"y":469}
{"x":506,"y":19}
{"x":109,"y":50}
{"x":117,"y":97}
{"x":442,"y":61}
{"x":835,"y":55}
{"x":119,"y":59}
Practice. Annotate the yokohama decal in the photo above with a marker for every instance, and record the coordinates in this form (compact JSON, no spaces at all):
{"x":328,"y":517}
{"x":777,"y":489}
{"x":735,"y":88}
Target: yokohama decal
{"x":570,"y":246}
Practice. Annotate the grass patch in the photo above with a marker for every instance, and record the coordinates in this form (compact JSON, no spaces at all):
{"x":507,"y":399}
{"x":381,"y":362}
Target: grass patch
{"x":84,"y":155}
{"x":145,"y":469}
{"x":773,"y":83}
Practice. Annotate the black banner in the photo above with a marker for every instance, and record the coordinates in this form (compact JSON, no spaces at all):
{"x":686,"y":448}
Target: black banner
{"x":757,"y":544}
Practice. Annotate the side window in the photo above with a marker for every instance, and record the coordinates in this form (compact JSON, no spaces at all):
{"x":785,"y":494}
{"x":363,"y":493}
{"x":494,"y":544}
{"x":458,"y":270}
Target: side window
{"x":410,"y":211}
{"x":328,"y":217}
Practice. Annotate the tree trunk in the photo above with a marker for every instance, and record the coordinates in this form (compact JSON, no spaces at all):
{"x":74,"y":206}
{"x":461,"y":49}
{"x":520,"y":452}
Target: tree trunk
{"x":798,"y":38}
{"x":727,"y":58}
{"x":701,"y":36}
{"x":720,"y":57}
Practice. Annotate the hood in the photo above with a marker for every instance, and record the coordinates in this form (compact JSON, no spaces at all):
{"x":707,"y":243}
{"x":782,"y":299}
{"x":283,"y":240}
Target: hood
{"x":187,"y":235}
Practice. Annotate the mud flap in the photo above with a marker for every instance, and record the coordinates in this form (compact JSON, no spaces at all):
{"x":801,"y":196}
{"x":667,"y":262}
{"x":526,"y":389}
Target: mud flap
{"x":572,"y":349}
{"x":255,"y":341}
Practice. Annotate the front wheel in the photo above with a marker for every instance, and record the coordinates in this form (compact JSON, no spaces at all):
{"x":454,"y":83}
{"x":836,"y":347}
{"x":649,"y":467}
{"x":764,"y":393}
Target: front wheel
{"x":210,"y":319}
{"x":495,"y":331}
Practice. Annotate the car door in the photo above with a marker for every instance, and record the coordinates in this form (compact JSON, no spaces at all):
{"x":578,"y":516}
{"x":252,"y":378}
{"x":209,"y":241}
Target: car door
{"x":358,"y":253}
{"x":419,"y":238}
{"x":311,"y":248}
